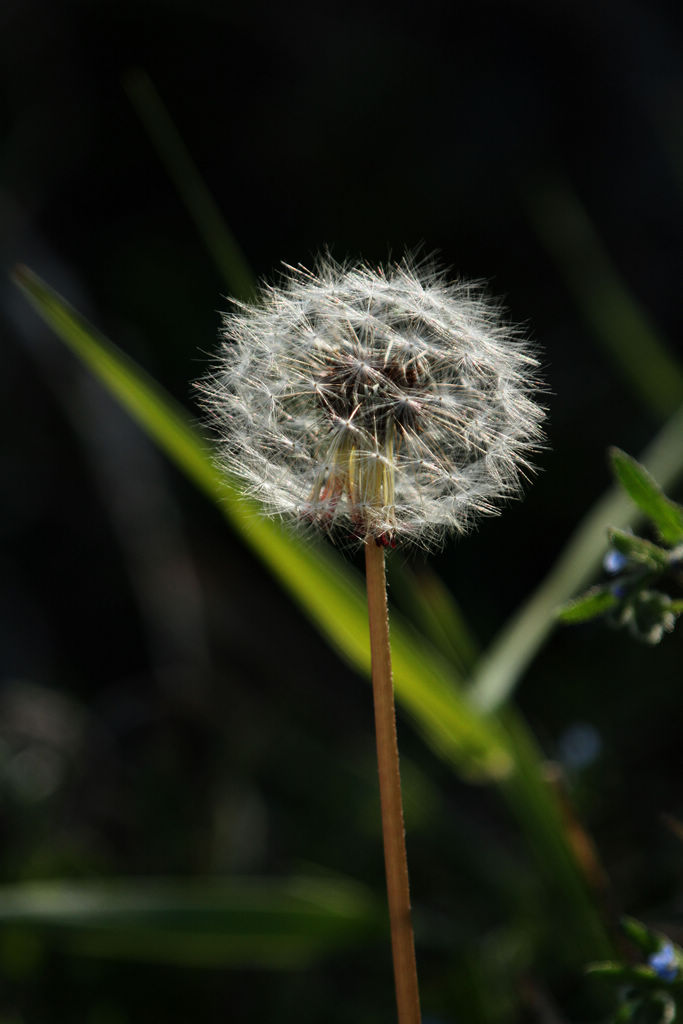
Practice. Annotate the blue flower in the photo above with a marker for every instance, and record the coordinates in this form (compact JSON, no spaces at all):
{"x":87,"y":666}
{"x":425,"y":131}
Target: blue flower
{"x":664,"y":963}
{"x":614,"y":561}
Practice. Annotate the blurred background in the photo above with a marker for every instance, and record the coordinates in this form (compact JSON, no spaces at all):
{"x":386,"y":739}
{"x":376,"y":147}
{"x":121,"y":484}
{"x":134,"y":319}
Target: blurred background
{"x":166,"y":712}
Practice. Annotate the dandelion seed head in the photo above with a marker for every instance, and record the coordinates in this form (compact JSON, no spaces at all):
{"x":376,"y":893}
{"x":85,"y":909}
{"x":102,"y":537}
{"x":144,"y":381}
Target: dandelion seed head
{"x":384,"y":403}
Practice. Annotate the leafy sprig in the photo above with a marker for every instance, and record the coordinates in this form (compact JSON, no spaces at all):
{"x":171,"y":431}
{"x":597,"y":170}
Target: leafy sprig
{"x":652,"y":992}
{"x":643,"y":572}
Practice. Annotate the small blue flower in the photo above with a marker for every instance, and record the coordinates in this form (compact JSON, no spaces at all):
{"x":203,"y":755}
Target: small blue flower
{"x":663,"y":962}
{"x":614,"y":561}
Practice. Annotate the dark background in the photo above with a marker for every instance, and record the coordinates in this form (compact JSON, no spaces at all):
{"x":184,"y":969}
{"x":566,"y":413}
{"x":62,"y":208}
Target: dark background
{"x":164,"y":709}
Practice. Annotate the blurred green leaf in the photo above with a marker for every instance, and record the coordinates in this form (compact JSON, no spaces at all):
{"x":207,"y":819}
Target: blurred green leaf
{"x":647,"y":614}
{"x":635,"y":346}
{"x":645,"y":940}
{"x":645,"y":998}
{"x":654,"y":1007}
{"x":238,"y":922}
{"x":431,"y":606}
{"x":648,"y":496}
{"x":622,"y":974}
{"x":329,"y":592}
{"x":535,"y":805}
{"x":181,"y":168}
{"x":637,"y":549}
{"x":503,"y":663}
{"x":590,"y":605}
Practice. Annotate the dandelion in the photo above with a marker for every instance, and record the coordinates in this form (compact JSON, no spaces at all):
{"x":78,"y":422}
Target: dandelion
{"x":388,"y":404}
{"x":383,"y":406}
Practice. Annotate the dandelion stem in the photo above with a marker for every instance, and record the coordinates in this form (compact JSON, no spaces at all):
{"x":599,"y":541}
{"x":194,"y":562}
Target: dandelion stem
{"x":396,"y":862}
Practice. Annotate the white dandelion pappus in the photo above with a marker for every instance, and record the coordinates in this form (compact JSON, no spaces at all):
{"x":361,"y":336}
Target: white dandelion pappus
{"x":375,"y":403}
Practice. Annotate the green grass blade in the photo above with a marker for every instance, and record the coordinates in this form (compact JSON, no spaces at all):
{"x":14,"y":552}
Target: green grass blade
{"x":648,"y":496}
{"x":516,"y":645}
{"x":325,"y":588}
{"x":536,"y":807}
{"x":182,"y":170}
{"x":433,"y":609}
{"x":622,"y":326}
{"x":247,"y":922}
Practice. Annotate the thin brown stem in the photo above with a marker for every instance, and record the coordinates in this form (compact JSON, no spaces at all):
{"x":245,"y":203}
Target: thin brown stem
{"x":395,"y":860}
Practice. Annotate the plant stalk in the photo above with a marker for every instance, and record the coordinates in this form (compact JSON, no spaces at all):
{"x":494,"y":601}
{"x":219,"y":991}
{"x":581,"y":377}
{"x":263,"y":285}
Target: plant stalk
{"x":393,"y":831}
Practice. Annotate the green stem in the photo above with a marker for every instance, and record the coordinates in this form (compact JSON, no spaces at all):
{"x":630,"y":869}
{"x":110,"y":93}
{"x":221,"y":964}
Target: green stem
{"x":395,"y":859}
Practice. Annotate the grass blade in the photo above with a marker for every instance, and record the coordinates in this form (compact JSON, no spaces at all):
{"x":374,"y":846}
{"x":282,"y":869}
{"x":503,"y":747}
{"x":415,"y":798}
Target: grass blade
{"x":248,"y":922}
{"x":202,"y":207}
{"x":619,"y":323}
{"x":536,"y":807}
{"x":433,"y":609}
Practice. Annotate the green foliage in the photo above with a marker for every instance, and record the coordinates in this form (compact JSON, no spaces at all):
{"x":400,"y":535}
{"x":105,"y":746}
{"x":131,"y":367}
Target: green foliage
{"x":640,"y":567}
{"x":433,"y":609}
{"x":649,"y":994}
{"x":638,"y":550}
{"x":649,"y":614}
{"x":656,"y":1008}
{"x":593,"y":603}
{"x":643,"y":938}
{"x":236,"y":923}
{"x":666,"y":515}
{"x":502,"y":665}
